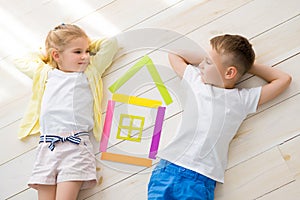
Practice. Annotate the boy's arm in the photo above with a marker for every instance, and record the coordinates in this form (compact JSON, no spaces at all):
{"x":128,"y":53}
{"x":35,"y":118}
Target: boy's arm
{"x":277,"y":80}
{"x":178,"y":64}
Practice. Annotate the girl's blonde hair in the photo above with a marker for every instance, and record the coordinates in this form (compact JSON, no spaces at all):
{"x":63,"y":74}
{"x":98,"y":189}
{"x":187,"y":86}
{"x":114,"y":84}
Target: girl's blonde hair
{"x":59,"y":37}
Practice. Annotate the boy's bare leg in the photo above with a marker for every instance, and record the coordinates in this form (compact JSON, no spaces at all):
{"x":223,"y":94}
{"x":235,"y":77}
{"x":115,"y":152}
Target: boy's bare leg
{"x":68,"y":190}
{"x":46,"y":192}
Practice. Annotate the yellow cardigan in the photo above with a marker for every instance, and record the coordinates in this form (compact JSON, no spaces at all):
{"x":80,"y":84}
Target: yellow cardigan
{"x":36,"y":69}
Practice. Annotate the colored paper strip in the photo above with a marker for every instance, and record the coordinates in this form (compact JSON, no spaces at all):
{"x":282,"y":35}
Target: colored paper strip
{"x":129,"y":129}
{"x":159,"y":83}
{"x":157,"y":132}
{"x":107,"y":125}
{"x":132,"y":160}
{"x":136,"y":100}
{"x":131,"y":72}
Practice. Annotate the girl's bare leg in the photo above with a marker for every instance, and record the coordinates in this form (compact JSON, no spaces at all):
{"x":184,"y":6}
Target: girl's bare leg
{"x":46,"y":192}
{"x":68,"y":190}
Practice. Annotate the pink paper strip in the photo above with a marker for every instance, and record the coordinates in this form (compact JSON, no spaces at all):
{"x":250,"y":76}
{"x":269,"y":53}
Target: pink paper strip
{"x":157,"y":131}
{"x":107,"y":125}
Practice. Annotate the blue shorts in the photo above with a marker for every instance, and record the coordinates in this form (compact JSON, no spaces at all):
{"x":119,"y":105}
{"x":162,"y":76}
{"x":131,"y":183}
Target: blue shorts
{"x":169,"y":181}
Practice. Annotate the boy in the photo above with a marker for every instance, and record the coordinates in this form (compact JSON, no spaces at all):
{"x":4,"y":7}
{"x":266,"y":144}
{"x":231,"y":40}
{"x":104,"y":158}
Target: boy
{"x":213,"y":110}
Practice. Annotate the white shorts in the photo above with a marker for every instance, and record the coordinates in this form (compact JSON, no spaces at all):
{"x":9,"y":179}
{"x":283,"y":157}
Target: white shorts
{"x":67,"y":162}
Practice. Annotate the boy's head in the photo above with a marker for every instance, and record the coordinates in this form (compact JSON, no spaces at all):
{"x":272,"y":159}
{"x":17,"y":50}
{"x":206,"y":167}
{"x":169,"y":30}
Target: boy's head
{"x":237,"y":49}
{"x":232,"y":56}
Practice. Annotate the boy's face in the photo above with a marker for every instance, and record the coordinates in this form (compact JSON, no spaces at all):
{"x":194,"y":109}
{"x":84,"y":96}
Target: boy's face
{"x":212,"y":70}
{"x":75,"y":57}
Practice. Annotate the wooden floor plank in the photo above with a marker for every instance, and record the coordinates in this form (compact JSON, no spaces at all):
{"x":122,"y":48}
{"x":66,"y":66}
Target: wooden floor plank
{"x":15,"y":147}
{"x":278,"y":42}
{"x":291,"y":154}
{"x":191,"y":14}
{"x":290,"y":191}
{"x":116,"y":19}
{"x":19,"y":21}
{"x":13,"y":111}
{"x":27,"y":194}
{"x":255,"y":177}
{"x":14,"y":84}
{"x":16,"y":173}
{"x":134,"y":187}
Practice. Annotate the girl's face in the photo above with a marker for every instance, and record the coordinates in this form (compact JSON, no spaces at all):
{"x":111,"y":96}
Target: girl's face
{"x":75,"y":57}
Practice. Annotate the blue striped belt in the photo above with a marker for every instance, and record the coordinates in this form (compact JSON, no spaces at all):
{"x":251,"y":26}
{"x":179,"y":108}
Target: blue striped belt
{"x":54,"y":139}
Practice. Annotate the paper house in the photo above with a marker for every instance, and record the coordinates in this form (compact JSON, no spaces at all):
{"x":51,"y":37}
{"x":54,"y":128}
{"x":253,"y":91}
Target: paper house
{"x":127,"y":126}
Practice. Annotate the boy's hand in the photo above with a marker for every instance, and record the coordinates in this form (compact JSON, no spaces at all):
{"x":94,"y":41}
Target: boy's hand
{"x":277,"y":80}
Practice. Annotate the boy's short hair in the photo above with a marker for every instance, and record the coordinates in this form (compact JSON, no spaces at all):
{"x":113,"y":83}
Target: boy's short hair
{"x":238,"y":49}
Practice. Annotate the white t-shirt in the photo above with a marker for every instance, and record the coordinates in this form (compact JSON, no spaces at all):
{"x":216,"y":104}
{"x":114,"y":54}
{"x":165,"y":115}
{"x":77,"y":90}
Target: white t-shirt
{"x":211,"y":117}
{"x":67,"y":104}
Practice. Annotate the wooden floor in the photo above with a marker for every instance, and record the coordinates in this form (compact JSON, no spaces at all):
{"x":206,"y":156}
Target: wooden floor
{"x":264,"y":157}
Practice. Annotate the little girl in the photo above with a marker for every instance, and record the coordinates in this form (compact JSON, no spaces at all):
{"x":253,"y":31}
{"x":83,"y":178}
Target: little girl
{"x":65,"y":108}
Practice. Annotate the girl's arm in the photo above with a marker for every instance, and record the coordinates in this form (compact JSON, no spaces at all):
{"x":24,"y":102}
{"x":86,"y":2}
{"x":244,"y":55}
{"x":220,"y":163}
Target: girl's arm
{"x":103,"y":52}
{"x":277,"y":80}
{"x":29,"y":63}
